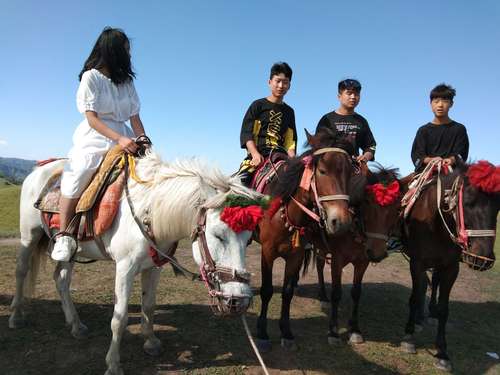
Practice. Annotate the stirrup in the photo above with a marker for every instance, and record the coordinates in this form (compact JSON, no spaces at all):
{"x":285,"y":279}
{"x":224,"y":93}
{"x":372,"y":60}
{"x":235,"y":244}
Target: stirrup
{"x":65,"y":246}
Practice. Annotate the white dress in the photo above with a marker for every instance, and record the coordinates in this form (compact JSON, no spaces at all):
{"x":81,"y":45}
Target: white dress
{"x":114,"y":105}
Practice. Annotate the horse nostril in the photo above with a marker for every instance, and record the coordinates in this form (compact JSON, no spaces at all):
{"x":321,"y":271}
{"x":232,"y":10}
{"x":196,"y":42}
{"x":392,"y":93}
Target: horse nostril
{"x":334,"y":223}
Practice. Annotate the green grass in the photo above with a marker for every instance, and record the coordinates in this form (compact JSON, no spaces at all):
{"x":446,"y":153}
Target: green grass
{"x":4,"y":183}
{"x":9,"y":210}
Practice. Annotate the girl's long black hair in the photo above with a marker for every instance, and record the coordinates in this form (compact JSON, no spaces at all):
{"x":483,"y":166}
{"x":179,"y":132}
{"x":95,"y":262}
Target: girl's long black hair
{"x":111,"y":51}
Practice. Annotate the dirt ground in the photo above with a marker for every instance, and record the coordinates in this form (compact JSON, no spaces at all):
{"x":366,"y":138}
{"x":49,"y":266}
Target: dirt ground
{"x":196,"y":342}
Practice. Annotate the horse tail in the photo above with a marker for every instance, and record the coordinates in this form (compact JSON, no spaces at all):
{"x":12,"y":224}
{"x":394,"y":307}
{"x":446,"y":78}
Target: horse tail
{"x":38,"y":259}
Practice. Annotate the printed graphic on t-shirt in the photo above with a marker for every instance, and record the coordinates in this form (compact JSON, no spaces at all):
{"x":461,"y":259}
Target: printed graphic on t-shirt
{"x":273,"y":130}
{"x":349,"y":129}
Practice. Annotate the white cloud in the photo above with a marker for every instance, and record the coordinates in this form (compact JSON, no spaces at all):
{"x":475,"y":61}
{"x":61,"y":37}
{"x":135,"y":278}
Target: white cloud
{"x":3,"y":142}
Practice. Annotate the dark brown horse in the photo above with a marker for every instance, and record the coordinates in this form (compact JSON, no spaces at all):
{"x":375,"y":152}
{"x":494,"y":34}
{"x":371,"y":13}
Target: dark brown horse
{"x":309,"y":191}
{"x":378,"y":213}
{"x":465,"y":229}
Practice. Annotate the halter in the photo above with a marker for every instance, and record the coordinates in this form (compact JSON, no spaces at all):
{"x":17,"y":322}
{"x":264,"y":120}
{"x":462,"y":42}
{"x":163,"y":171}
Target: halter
{"x":213,"y":275}
{"x":322,"y":198}
{"x":463,"y":234}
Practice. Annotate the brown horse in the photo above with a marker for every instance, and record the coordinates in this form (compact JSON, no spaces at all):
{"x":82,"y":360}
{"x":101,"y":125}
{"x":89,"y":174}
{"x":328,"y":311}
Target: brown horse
{"x":438,"y":233}
{"x":378,"y":213}
{"x":309,"y":191}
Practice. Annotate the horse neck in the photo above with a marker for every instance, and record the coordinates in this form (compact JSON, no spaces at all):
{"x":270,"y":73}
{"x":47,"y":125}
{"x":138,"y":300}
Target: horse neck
{"x":175,"y":206}
{"x":295,"y":213}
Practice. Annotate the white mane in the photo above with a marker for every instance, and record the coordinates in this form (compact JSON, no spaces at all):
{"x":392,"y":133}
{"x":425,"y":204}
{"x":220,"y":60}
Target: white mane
{"x":176,"y":191}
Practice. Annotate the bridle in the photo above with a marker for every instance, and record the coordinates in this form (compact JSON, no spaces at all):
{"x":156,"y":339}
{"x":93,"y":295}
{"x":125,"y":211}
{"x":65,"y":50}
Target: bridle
{"x":456,"y":208}
{"x":318,"y":199}
{"x":213,"y":275}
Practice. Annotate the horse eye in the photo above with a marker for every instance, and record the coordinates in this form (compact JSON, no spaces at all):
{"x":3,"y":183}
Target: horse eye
{"x":219,"y":237}
{"x":322,"y":171}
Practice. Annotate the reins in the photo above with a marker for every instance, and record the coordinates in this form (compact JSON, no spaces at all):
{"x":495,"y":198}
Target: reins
{"x":456,"y":208}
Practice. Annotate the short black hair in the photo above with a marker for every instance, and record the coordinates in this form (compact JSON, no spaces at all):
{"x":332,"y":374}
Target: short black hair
{"x":281,"y":67}
{"x":349,"y":84}
{"x":443,"y":91}
{"x":112,"y":51}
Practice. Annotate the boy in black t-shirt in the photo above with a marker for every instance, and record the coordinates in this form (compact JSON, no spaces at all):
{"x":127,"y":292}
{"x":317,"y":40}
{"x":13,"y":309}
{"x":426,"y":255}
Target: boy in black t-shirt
{"x":443,"y":138}
{"x":269,"y":124}
{"x":351,"y":124}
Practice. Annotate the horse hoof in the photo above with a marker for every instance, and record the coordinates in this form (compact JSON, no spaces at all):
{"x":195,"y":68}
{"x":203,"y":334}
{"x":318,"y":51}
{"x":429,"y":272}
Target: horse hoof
{"x":356,"y":339}
{"x":82,"y":332}
{"x":118,"y":371}
{"x":432,"y":321}
{"x":408,"y":347}
{"x":17,"y":323}
{"x":153,"y":350}
{"x":443,"y":364}
{"x":333,"y":340}
{"x":289,"y":345}
{"x":325,"y":305}
{"x":264,"y":346}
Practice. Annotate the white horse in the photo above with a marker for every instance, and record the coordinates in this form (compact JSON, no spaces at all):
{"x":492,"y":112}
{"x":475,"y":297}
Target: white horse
{"x":172,"y":202}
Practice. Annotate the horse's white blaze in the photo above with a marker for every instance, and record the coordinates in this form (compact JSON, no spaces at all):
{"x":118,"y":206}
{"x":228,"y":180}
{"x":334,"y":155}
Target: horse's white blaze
{"x":172,"y":202}
{"x":227,"y":249}
{"x":335,"y":213}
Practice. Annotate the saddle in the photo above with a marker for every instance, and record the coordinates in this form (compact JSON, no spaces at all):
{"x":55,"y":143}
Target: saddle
{"x":98,"y":204}
{"x":267,"y":171}
{"x":419,"y":182}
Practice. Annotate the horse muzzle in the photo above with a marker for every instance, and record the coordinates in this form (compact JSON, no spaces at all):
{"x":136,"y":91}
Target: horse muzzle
{"x":230,"y":293}
{"x":477,"y":262}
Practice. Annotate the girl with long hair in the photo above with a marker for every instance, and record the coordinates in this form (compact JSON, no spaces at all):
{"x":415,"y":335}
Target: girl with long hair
{"x":107,"y":98}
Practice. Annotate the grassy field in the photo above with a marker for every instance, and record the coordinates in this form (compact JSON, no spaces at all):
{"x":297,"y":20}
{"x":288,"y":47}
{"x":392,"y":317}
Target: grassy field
{"x":9,"y":210}
{"x":196,"y":342}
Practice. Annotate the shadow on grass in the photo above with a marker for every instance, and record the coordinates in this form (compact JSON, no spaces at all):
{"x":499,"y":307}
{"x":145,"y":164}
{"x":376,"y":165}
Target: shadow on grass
{"x":195,"y":340}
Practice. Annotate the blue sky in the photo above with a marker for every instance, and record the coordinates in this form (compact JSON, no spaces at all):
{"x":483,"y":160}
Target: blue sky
{"x":201,"y":63}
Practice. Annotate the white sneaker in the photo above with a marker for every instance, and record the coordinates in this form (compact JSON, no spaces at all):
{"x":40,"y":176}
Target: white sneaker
{"x":63,"y":248}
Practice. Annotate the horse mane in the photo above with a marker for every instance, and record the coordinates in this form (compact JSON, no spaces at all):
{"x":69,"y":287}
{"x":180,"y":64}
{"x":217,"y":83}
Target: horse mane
{"x":177,"y":190}
{"x":289,"y":176}
{"x":382,"y":175}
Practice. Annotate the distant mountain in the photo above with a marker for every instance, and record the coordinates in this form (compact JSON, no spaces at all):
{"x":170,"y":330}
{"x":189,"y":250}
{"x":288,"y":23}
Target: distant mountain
{"x":15,"y":170}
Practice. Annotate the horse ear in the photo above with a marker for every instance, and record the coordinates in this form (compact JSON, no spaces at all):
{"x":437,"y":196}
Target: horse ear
{"x":310,"y":137}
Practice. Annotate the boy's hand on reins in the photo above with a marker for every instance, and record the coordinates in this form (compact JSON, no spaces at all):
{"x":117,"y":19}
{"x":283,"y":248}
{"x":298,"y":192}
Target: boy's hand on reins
{"x":257,"y":159}
{"x":127,"y":144}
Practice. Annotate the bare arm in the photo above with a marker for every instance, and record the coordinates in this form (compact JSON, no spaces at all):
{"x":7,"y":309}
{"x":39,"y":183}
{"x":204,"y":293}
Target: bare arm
{"x":137,"y":125}
{"x":257,"y":158}
{"x":97,"y":124}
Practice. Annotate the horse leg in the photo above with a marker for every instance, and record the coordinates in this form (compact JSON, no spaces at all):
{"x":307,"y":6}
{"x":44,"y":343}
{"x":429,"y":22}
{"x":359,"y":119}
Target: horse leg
{"x":420,"y":315}
{"x":292,"y":269}
{"x":434,"y":292}
{"x":28,"y":247}
{"x":355,"y":332}
{"x":149,"y":283}
{"x":124,"y":278}
{"x":266,"y":292}
{"x":447,"y":279}
{"x":417,"y":272}
{"x":336,"y":270}
{"x":62,"y":278}
{"x":323,"y":299}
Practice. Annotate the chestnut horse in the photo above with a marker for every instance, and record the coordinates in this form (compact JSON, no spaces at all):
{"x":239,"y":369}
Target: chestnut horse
{"x":317,"y":180}
{"x":378,"y":213}
{"x":438,"y":233}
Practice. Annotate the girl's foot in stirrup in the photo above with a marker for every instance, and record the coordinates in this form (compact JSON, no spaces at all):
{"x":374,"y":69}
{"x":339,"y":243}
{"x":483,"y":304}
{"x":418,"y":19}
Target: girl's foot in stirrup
{"x":64,"y":247}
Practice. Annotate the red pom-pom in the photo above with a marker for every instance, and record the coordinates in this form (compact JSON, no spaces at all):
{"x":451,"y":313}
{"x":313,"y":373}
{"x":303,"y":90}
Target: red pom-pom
{"x":242,"y":218}
{"x":485,"y":176}
{"x":384,"y":195}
